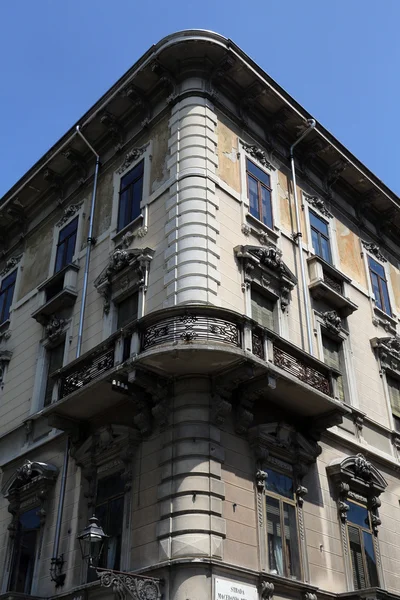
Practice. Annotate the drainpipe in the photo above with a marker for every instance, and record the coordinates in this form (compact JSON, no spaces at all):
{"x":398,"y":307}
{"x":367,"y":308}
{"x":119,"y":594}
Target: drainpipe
{"x":298,"y":236}
{"x":58,"y":561}
{"x":90,"y":243}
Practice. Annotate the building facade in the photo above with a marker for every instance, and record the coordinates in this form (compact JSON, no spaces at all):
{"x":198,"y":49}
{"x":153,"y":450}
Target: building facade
{"x":200,"y":349}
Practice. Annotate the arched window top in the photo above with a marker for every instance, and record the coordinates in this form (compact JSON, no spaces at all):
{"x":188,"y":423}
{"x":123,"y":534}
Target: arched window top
{"x":31,"y":472}
{"x":357,"y":471}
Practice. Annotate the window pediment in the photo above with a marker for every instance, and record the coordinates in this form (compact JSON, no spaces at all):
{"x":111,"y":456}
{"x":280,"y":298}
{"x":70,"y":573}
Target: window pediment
{"x":356,"y":473}
{"x":30,"y":474}
{"x":265,"y":266}
{"x":388,"y":350}
{"x":125,"y":270}
{"x":286,"y":443}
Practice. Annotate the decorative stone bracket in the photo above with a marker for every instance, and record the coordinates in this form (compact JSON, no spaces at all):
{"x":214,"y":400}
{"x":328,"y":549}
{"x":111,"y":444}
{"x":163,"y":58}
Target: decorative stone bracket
{"x":332,"y":321}
{"x":374,"y":250}
{"x":319,"y":204}
{"x":264,"y":265}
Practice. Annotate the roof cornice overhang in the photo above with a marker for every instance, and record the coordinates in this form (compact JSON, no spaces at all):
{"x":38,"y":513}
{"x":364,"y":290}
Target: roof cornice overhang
{"x":257,"y":94}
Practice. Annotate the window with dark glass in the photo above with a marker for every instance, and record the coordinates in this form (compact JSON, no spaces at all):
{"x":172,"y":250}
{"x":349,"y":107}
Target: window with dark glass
{"x":361,"y":544}
{"x":262,"y":309}
{"x":379,"y":285}
{"x":66,"y":245}
{"x":333,"y":357}
{"x":282,"y":533}
{"x":127,"y":310}
{"x":320,"y":237}
{"x":259,"y":193}
{"x":110,"y":512}
{"x":55,"y":358}
{"x":6,"y":295}
{"x":394,"y":395}
{"x":24,"y":555}
{"x":130,"y":195}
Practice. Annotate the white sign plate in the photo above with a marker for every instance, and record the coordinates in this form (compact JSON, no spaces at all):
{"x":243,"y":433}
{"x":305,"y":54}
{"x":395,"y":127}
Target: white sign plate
{"x":225,"y":589}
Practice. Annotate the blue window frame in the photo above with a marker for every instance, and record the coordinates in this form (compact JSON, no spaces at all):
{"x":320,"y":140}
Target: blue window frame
{"x":130,"y":195}
{"x":6,"y":295}
{"x":259,"y":193}
{"x":379,"y":285}
{"x":66,"y":245}
{"x":320,"y":237}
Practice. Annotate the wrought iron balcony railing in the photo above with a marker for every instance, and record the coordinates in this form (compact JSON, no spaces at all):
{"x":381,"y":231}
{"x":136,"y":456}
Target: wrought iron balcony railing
{"x":201,"y":328}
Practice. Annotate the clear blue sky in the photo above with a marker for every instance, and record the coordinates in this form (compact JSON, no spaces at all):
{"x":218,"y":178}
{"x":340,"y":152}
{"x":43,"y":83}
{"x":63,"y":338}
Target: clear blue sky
{"x":339,"y":59}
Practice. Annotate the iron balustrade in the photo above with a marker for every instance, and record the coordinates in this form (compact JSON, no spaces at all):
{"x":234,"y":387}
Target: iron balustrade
{"x":86,"y":371}
{"x":302,"y":370}
{"x":334,"y":283}
{"x":191,"y":327}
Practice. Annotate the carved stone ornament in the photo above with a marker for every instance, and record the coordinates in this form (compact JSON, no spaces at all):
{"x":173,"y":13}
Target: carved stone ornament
{"x":388,"y":351}
{"x":136,"y":260}
{"x":332,"y":321}
{"x":10,"y":264}
{"x":267,"y":590}
{"x":28,"y":487}
{"x":374,"y":250}
{"x":55,"y":327}
{"x":129,"y":586}
{"x":246,"y":229}
{"x":69,"y":212}
{"x":132,"y":155}
{"x":356,"y":475}
{"x":259,"y":155}
{"x":319,"y":204}
{"x":266,"y":264}
{"x":261,"y":478}
{"x":310,"y":596}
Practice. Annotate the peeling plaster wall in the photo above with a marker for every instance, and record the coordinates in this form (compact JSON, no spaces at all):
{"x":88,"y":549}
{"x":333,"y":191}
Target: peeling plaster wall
{"x":228,"y":163}
{"x":350,"y":253}
{"x":395,"y":281}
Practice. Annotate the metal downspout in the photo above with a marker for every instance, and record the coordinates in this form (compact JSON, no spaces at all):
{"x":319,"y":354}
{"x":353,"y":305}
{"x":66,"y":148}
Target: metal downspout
{"x":298,"y":235}
{"x":57,"y":561}
{"x":90,"y":243}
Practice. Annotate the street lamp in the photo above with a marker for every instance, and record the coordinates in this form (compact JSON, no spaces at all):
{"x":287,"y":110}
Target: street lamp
{"x":91,"y":541}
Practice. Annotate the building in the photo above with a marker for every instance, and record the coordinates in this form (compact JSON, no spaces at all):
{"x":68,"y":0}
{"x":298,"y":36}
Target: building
{"x":210,"y":363}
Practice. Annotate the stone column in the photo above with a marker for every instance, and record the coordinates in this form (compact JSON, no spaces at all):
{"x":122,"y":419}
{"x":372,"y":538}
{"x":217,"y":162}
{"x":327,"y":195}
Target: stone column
{"x":191,"y":491}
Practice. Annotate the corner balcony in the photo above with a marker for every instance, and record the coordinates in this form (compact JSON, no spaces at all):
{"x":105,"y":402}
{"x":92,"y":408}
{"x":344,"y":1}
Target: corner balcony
{"x":196,"y":340}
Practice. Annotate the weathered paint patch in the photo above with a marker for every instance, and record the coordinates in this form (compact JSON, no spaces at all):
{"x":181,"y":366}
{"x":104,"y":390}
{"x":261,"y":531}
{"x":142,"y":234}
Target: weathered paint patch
{"x":159,"y":172}
{"x":36,"y":259}
{"x":228,"y":163}
{"x":395,"y":280}
{"x":350,"y":253}
{"x":102,"y":217}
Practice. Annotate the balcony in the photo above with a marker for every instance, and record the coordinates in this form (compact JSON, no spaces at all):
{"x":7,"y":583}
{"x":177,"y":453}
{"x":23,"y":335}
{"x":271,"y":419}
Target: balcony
{"x":56,"y":293}
{"x":195,"y":340}
{"x":329,"y":284}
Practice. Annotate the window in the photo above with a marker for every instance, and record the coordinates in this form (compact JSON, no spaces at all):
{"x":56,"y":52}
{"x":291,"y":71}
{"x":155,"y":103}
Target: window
{"x":333,"y":357}
{"x":262,"y":309}
{"x":320,"y":237}
{"x":110,"y":512}
{"x":361,"y":544}
{"x":127,"y":310}
{"x":55,"y":358}
{"x":379,"y":285}
{"x":66,"y":245}
{"x":130,"y":196}
{"x":259,"y":193}
{"x":6,"y":295}
{"x":394,"y":396}
{"x":25,"y":543}
{"x":282,"y":537}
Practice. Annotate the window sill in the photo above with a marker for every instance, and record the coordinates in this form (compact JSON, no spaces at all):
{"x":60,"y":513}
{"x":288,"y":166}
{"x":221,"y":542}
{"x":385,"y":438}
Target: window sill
{"x":384,"y":320}
{"x":134,"y":228}
{"x":273,"y":234}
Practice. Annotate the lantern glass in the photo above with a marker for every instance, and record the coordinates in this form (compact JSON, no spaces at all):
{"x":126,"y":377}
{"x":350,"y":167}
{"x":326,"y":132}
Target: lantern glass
{"x":91,"y":541}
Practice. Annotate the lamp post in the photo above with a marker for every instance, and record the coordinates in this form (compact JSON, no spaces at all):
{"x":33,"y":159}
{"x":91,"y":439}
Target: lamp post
{"x":138,"y":587}
{"x":91,"y":541}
